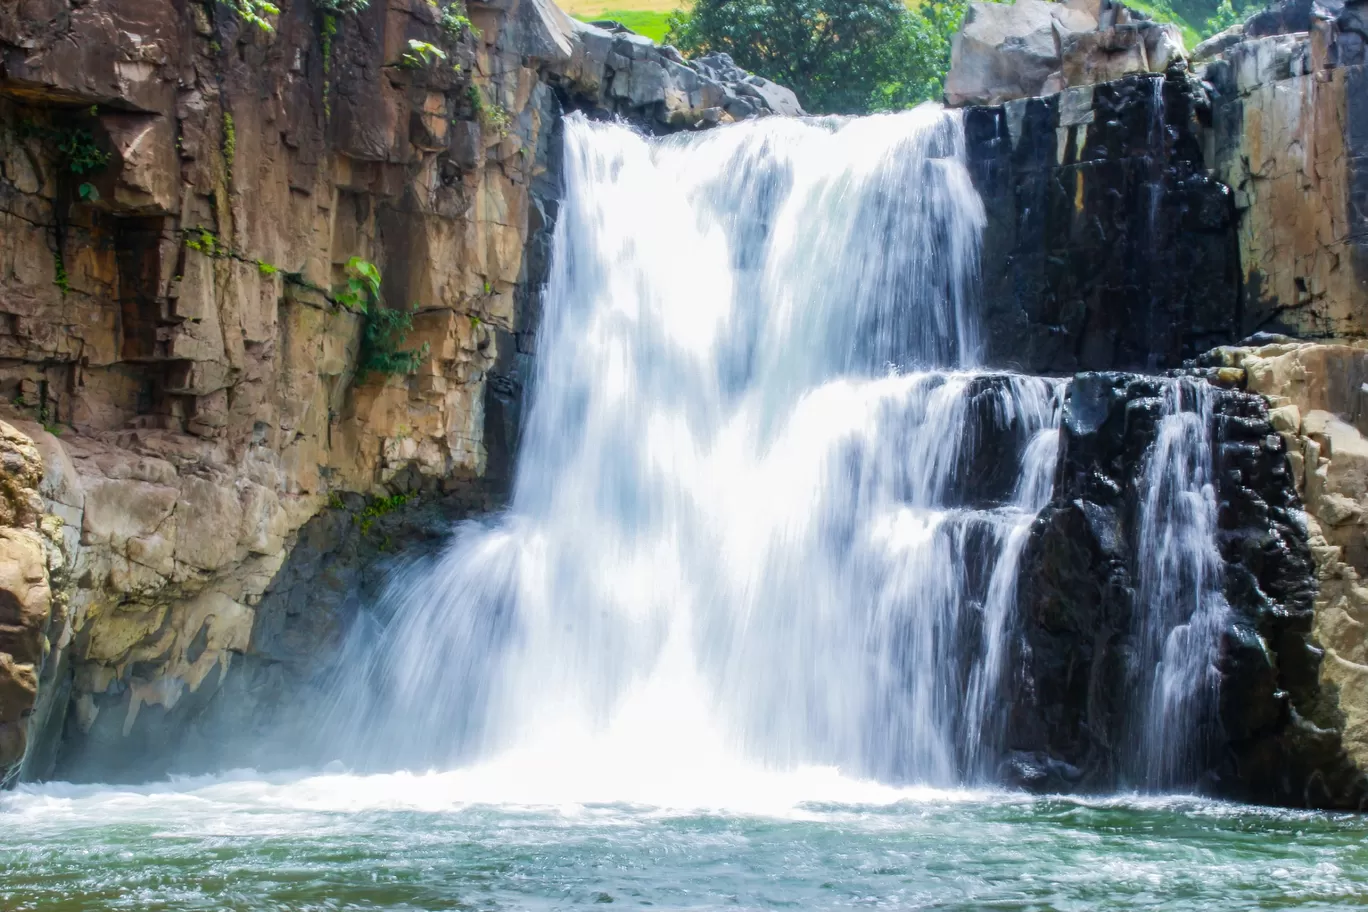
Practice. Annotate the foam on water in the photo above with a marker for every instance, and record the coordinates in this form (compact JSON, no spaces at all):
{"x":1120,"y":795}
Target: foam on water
{"x":248,"y":801}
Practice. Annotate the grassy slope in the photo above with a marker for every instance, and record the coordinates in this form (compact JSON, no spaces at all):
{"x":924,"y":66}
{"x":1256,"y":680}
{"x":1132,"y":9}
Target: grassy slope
{"x":646,"y":17}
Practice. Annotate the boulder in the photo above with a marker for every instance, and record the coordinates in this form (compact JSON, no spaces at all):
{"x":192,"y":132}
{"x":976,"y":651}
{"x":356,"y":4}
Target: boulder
{"x":1004,"y":52}
{"x":1109,"y":54}
{"x":25,"y":591}
{"x":1033,"y":48}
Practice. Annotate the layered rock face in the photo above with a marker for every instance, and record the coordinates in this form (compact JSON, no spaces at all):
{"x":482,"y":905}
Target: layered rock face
{"x":186,"y":197}
{"x":1318,"y":403}
{"x":1290,"y":125}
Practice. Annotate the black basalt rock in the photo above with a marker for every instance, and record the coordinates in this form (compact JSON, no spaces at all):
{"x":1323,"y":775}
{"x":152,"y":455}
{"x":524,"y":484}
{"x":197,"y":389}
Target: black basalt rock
{"x":1108,"y":246}
{"x":1073,"y":676}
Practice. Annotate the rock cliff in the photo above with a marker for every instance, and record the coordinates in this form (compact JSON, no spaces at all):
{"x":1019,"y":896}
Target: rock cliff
{"x":1134,"y":224}
{"x":209,"y":227}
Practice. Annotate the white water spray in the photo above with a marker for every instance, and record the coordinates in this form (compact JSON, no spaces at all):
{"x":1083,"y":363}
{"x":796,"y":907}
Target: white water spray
{"x":747,"y":533}
{"x":768,"y":515}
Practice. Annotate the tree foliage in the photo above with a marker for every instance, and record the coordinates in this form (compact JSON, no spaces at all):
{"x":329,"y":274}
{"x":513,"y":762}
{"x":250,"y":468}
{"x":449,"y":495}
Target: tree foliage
{"x":839,"y":56}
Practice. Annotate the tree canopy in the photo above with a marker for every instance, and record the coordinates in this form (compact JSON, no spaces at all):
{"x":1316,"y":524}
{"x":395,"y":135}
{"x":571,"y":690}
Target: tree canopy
{"x":839,"y":56}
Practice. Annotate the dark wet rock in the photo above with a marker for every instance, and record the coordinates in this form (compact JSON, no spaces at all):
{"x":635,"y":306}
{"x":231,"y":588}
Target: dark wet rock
{"x":1108,"y":246}
{"x":1274,"y":740}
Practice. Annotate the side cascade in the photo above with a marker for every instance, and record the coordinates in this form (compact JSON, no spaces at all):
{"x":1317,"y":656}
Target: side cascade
{"x":769,"y":507}
{"x":1181,"y":607}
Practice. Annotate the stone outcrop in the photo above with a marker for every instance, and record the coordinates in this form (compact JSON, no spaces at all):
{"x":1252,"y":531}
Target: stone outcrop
{"x":1037,"y":47}
{"x":1290,"y":138}
{"x":1135,"y":223}
{"x":30,"y":553}
{"x":1320,"y":410}
{"x":184,"y":200}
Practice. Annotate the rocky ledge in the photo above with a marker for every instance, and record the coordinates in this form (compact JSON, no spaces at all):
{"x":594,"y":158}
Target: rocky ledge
{"x":1272,"y":736}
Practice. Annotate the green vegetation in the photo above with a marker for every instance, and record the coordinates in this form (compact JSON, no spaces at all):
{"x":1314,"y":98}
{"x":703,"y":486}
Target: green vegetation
{"x":492,"y":115}
{"x":386,"y":330}
{"x":204,"y":241}
{"x":1199,"y":19}
{"x":653,"y":24}
{"x":421,"y":54}
{"x":256,"y":12}
{"x":839,"y":56}
{"x":79,"y":152}
{"x":75,"y":150}
{"x":362,"y":288}
{"x":341,"y":7}
{"x":74,"y":147}
{"x":454,"y":20}
{"x":378,"y":507}
{"x":59,"y":277}
{"x":1162,"y":11}
{"x":229,"y":141}
{"x":853,"y":56}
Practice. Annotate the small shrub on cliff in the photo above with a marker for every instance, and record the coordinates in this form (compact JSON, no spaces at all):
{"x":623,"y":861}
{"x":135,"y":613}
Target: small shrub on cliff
{"x":341,"y":7}
{"x":256,"y":12}
{"x":79,"y":151}
{"x":493,"y":116}
{"x":385,"y":331}
{"x":74,"y":147}
{"x":362,"y":288}
{"x":421,"y":54}
{"x":378,"y":507}
{"x":839,"y":56}
{"x":454,"y":20}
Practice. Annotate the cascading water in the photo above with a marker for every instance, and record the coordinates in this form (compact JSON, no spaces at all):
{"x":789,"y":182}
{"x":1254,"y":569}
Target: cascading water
{"x":768,"y":515}
{"x":747,"y":527}
{"x":1181,"y":604}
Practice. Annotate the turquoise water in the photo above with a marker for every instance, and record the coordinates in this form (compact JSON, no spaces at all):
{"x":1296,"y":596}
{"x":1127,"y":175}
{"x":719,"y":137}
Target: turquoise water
{"x":414,"y":842}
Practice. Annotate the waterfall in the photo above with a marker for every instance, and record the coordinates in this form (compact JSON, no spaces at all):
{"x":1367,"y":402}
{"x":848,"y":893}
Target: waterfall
{"x":1181,"y":606}
{"x":769,"y":508}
